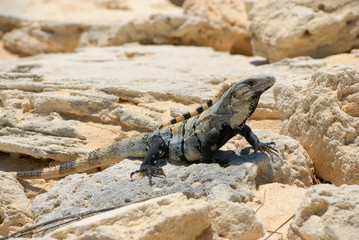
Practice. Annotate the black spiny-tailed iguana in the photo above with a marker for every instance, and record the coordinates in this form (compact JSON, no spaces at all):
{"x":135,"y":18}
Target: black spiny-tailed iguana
{"x":192,"y":137}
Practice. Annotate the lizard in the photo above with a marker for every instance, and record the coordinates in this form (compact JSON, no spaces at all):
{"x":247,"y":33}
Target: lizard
{"x":191,"y":139}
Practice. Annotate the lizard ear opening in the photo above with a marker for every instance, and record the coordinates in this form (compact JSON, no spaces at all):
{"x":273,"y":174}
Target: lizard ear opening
{"x":241,"y":91}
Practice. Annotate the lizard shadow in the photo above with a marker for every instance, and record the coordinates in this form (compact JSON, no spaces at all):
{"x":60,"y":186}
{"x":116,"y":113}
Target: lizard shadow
{"x":266,"y":166}
{"x":263,"y":164}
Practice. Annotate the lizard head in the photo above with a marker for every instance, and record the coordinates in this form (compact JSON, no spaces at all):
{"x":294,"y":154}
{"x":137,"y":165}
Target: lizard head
{"x":241,"y":99}
{"x":251,"y":88}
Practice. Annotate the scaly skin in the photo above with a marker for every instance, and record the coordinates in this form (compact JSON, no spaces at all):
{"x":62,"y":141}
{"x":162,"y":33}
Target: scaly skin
{"x":192,"y":139}
{"x":198,"y":110}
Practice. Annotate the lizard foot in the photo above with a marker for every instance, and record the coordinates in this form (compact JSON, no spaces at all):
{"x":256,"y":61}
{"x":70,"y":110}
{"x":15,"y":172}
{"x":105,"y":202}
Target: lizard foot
{"x":149,"y":171}
{"x":268,"y":148}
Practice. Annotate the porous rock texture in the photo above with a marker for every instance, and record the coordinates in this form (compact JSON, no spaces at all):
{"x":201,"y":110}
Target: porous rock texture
{"x":14,"y":206}
{"x":153,"y":219}
{"x":327,"y":212}
{"x":235,"y":221}
{"x":314,"y":28}
{"x":232,"y":182}
{"x":324,"y":117}
{"x":157,"y":219}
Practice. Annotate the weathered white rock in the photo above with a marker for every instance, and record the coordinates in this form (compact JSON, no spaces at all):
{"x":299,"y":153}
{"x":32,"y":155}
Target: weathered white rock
{"x":113,"y":186}
{"x":232,"y":13}
{"x":170,"y":217}
{"x":324,"y":118}
{"x":235,"y":221}
{"x":314,"y":28}
{"x":182,"y":30}
{"x":294,"y":166}
{"x":327,"y":212}
{"x":50,"y":37}
{"x":44,"y":38}
{"x":14,"y":206}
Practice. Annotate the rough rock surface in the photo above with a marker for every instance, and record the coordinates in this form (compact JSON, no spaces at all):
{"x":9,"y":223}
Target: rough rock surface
{"x":44,"y":38}
{"x":183,"y":30}
{"x":324,"y":118}
{"x":156,"y":29}
{"x":327,"y":212}
{"x":157,"y":219}
{"x":153,"y":219}
{"x":230,"y":12}
{"x":295,"y":166}
{"x":235,"y":221}
{"x":14,"y":206}
{"x":303,"y":28}
{"x":233,"y":183}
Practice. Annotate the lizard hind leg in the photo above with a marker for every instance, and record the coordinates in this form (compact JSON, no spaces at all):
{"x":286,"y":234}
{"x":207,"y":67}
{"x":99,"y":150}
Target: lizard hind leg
{"x":148,"y":167}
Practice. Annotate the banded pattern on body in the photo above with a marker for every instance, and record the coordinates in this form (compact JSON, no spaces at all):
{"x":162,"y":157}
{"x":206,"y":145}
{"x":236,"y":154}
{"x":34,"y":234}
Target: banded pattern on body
{"x":200,"y":109}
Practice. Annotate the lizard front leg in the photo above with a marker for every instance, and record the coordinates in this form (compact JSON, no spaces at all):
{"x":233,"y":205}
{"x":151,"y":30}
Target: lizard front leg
{"x":253,"y":140}
{"x":148,"y":166}
{"x":206,"y":146}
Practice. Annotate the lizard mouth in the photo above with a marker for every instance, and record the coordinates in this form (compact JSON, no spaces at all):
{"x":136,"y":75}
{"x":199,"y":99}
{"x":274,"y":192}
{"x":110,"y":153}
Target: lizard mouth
{"x":261,"y":88}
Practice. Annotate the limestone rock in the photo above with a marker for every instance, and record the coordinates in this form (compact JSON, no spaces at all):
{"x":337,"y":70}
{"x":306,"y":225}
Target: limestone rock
{"x":327,"y":212}
{"x":325,"y":121}
{"x":293,"y":167}
{"x":312,"y":28}
{"x":44,"y":38}
{"x":33,"y":35}
{"x":50,"y":37}
{"x":168,"y":217}
{"x":229,"y":12}
{"x":182,"y":30}
{"x":14,"y":206}
{"x":113,"y":186}
{"x":233,"y":183}
{"x":235,"y":221}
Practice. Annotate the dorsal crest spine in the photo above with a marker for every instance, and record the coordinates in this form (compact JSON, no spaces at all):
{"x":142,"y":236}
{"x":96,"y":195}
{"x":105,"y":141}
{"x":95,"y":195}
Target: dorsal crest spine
{"x":200,"y":109}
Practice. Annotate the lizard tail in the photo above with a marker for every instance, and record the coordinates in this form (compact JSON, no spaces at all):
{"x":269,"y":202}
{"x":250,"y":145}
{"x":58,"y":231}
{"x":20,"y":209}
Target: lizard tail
{"x":97,"y":158}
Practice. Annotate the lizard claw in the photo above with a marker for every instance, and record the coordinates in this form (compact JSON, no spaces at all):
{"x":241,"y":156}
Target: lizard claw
{"x":268,"y":148}
{"x":149,"y":171}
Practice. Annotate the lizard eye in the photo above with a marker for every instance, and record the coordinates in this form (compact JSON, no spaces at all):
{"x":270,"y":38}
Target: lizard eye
{"x":250,"y":82}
